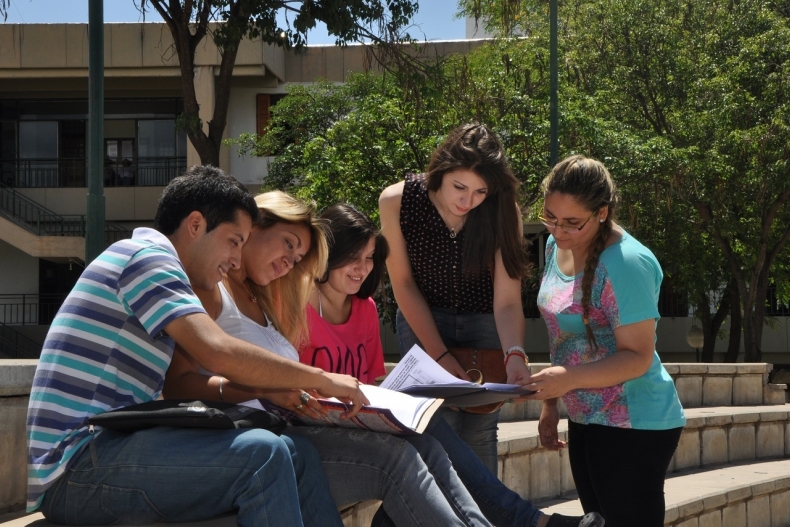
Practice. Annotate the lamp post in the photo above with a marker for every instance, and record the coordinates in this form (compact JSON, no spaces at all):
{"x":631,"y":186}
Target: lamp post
{"x":695,"y":339}
{"x":94,"y":230}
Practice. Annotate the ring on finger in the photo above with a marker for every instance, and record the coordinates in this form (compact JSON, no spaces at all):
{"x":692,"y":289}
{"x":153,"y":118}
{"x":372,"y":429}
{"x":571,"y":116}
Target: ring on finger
{"x":304,"y":397}
{"x":299,"y":406}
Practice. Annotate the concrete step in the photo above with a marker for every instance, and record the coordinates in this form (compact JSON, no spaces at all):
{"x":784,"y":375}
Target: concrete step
{"x":698,"y":386}
{"x":37,"y":520}
{"x":712,"y":436}
{"x":750,"y":494}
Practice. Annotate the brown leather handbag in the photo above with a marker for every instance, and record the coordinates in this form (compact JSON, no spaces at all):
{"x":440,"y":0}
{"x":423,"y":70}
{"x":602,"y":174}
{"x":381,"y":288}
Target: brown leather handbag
{"x":482,"y":365}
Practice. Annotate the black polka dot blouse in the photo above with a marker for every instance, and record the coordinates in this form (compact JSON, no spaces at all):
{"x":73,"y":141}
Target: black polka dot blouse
{"x":436,"y":257}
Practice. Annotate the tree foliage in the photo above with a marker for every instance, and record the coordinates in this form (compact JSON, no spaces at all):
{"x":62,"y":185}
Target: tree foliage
{"x":227,"y":22}
{"x":685,"y":101}
{"x":347,"y":142}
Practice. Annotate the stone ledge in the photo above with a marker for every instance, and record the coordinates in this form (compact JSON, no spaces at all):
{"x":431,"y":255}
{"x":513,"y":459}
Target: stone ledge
{"x":709,"y":498}
{"x":16,"y":376}
{"x":713,"y":435}
{"x":358,"y":515}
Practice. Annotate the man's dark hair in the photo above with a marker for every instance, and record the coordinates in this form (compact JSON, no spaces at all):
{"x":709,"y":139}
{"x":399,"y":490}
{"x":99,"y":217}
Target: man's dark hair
{"x":208,"y":190}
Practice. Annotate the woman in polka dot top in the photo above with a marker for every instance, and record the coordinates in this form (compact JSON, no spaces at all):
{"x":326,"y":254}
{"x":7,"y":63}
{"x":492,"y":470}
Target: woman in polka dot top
{"x":456,"y":262}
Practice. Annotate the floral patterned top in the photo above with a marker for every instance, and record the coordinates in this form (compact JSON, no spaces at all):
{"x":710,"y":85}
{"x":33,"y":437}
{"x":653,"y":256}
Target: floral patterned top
{"x":624,"y":291}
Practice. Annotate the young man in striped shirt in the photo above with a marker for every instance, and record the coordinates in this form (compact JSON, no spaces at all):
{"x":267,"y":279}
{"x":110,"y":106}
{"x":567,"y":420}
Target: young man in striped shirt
{"x":109,"y":347}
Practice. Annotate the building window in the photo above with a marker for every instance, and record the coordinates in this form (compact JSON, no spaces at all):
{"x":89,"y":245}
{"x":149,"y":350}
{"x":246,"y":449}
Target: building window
{"x":160,"y":151}
{"x":262,"y":101}
{"x":38,"y":154}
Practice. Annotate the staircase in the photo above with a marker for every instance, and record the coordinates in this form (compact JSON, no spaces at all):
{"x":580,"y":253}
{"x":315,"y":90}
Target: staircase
{"x":14,"y":345}
{"x":42,"y":233}
{"x":731,"y":468}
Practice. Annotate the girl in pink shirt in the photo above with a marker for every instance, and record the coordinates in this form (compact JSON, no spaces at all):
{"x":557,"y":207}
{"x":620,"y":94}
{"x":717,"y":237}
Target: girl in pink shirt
{"x":342,"y":317}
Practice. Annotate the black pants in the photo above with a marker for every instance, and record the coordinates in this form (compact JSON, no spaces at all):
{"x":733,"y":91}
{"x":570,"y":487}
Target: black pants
{"x":620,"y":472}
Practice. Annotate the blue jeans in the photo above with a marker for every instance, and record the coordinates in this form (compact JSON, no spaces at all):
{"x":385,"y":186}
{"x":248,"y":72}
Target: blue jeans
{"x":187,"y":474}
{"x":477,"y":330}
{"x":418,"y":489}
{"x":500,"y":505}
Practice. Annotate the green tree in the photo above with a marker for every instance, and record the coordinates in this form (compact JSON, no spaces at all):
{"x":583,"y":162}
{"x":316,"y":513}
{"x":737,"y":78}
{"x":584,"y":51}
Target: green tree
{"x":684,"y":101}
{"x":227,"y":22}
{"x":348,"y":142}
{"x":687,"y":105}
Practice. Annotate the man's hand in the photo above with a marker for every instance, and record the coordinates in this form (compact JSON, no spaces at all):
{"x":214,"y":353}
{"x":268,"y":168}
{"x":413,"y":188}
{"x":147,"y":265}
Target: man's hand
{"x":345,"y":388}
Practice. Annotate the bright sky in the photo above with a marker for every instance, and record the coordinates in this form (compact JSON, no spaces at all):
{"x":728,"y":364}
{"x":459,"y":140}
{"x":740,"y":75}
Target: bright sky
{"x":435,"y":19}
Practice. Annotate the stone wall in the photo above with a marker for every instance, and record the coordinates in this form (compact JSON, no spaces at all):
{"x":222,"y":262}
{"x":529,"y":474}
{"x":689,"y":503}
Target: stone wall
{"x":698,"y":384}
{"x":712,"y":435}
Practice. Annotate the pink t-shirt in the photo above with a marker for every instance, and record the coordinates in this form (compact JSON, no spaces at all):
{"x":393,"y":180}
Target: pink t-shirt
{"x":353,"y":348}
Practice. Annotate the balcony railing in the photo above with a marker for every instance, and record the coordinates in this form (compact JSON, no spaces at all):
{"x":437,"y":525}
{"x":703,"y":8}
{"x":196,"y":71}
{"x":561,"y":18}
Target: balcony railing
{"x":43,"y":222}
{"x":47,"y":173}
{"x":29,"y":309}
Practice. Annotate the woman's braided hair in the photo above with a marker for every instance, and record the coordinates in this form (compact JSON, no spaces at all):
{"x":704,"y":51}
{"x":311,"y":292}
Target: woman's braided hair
{"x":589,"y":183}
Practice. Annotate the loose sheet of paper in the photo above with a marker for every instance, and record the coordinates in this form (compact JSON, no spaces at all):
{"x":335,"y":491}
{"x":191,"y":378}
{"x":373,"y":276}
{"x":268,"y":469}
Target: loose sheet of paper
{"x":417,"y":367}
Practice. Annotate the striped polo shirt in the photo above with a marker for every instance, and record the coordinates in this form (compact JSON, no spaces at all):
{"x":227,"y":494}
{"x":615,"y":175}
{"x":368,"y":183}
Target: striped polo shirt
{"x":106,"y":349}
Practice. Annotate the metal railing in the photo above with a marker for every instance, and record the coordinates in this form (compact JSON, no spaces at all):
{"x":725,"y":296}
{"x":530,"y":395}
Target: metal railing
{"x":158,"y":171}
{"x":38,"y":173}
{"x":72,"y":172}
{"x":672,"y":303}
{"x":43,"y":222}
{"x":14,"y":345}
{"x":774,"y":307}
{"x":26,"y":309}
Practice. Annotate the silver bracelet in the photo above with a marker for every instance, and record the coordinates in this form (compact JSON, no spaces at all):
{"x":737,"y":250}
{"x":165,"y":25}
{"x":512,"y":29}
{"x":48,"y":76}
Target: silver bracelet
{"x":512,"y":349}
{"x":221,"y":380}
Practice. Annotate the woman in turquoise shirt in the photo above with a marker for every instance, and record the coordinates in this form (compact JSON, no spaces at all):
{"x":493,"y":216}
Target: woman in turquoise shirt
{"x":599,"y":297}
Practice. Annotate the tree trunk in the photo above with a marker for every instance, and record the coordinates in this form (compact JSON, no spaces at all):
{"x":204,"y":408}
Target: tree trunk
{"x":754,"y":318}
{"x":182,"y":21}
{"x":734,"y":346}
{"x":711,"y":323}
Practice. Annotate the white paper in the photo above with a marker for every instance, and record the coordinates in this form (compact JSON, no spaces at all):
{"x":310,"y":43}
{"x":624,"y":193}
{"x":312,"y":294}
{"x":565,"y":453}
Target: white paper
{"x":417,"y":367}
{"x":406,"y":409}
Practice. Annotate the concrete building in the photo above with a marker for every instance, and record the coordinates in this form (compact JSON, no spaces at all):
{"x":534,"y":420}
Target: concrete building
{"x":43,"y":142}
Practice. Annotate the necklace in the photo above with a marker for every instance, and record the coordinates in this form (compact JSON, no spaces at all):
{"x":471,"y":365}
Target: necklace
{"x":453,"y":234}
{"x":253,"y":299}
{"x":248,"y":291}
